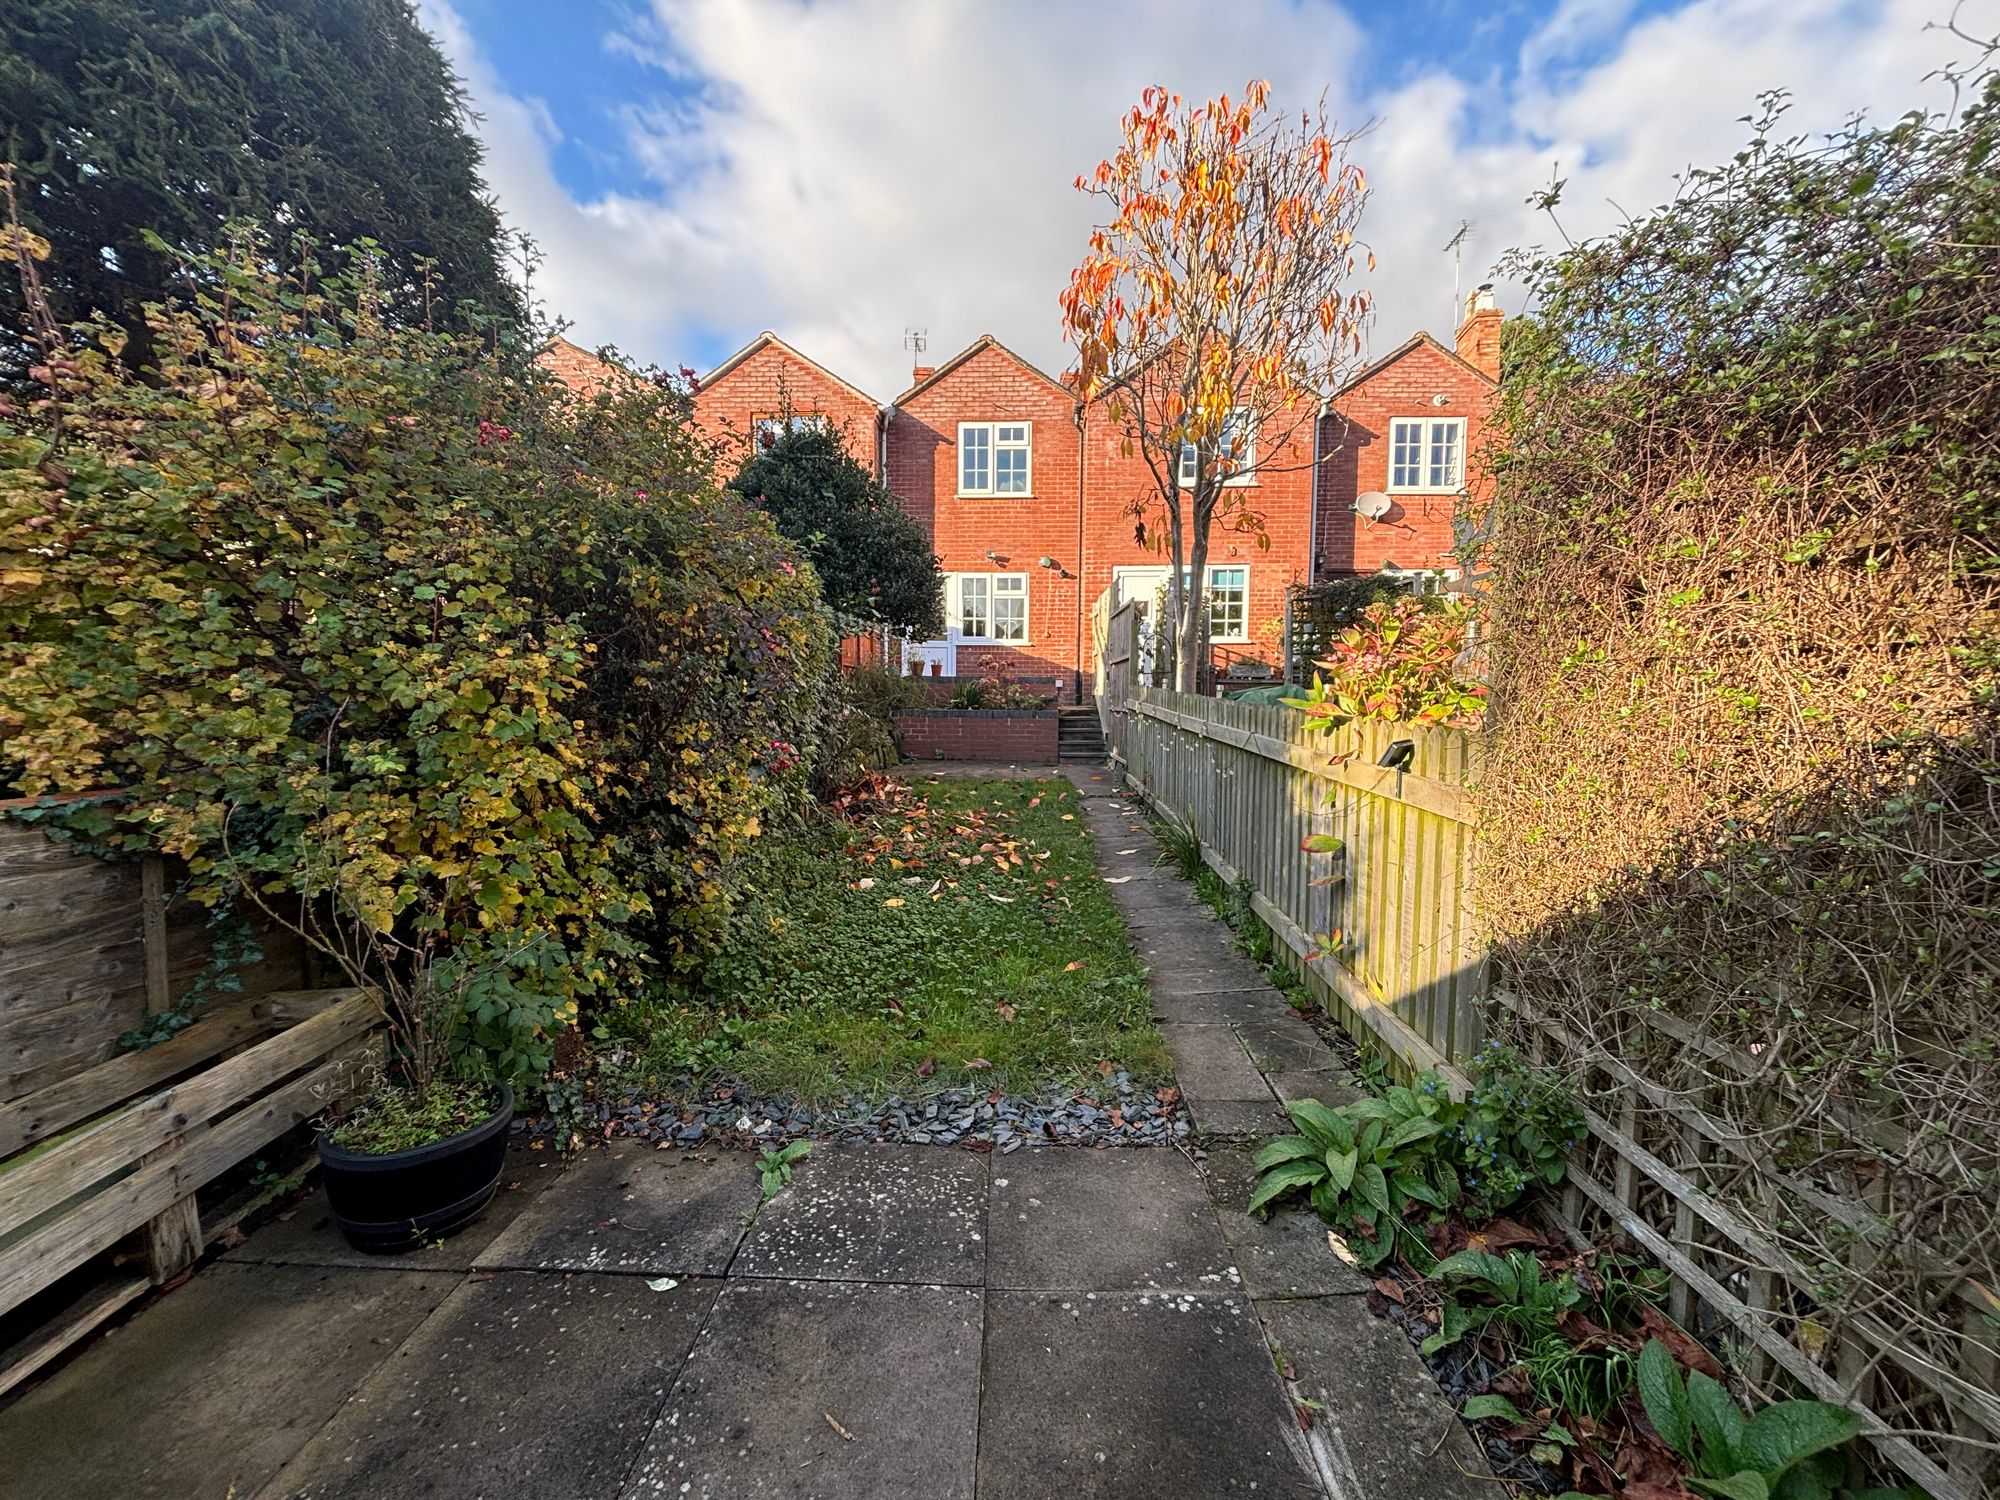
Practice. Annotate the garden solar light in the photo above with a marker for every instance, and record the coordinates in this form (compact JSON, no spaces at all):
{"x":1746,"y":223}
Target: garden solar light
{"x":1398,"y":756}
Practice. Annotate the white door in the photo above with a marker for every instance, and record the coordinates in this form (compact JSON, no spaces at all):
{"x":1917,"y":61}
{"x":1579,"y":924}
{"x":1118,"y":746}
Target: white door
{"x":921,"y":656}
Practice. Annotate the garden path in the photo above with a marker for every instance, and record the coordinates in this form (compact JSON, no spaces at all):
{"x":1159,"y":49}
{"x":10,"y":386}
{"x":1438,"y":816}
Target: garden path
{"x":901,"y":1321}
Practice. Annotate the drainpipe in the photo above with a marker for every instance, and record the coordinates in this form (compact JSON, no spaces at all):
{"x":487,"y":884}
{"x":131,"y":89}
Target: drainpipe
{"x":1081,"y":571}
{"x":1312,"y":535}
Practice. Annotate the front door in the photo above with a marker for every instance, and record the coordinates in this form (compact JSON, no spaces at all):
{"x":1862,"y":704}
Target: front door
{"x":933,"y":658}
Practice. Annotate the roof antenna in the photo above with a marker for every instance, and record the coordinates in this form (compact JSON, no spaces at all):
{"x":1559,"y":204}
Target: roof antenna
{"x":1455,"y":248}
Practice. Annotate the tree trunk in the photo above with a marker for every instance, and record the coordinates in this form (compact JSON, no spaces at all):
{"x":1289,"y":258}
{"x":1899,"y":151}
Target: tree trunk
{"x":1170,"y":629}
{"x":1187,"y":663}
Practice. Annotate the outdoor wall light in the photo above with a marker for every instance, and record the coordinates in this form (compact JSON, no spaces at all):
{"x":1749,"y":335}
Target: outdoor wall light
{"x":1398,"y":756}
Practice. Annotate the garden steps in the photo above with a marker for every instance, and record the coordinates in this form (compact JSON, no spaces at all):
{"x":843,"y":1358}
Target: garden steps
{"x":1079,"y":734}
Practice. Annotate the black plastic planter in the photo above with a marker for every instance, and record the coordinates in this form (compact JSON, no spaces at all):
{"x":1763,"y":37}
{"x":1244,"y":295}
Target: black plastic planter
{"x":401,"y":1199}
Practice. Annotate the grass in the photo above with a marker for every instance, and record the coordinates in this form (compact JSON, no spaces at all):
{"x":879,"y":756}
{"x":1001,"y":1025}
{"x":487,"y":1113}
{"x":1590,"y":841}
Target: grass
{"x":961,"y":937}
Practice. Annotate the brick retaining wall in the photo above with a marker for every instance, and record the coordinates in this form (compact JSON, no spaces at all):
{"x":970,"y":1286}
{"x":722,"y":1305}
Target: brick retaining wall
{"x":1014,"y":736}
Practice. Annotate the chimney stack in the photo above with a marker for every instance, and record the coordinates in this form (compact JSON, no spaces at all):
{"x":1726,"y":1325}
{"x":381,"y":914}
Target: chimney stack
{"x":921,"y":373}
{"x":1479,"y":333}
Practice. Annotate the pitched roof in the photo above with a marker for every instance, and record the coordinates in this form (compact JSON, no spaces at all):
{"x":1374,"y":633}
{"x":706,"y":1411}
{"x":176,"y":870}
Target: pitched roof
{"x":768,"y":339}
{"x":577,"y":367}
{"x":1410,"y":345}
{"x":979,"y":345}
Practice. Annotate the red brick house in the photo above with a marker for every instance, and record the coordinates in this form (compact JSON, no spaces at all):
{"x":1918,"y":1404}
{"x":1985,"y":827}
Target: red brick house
{"x":1029,"y":498}
{"x":766,"y":383}
{"x":984,"y":450}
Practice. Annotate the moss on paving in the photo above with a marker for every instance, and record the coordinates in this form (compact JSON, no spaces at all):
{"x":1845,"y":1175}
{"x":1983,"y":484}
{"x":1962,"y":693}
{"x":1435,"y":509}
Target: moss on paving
{"x":961,"y":937}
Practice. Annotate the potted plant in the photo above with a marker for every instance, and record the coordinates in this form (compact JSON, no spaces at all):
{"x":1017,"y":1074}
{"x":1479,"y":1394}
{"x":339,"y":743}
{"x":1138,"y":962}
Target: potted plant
{"x":420,"y":1154}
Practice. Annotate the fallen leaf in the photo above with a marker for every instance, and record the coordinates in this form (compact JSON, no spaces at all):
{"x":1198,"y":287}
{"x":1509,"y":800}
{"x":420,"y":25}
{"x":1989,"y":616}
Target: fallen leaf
{"x":231,"y":1237}
{"x":1685,"y":1349}
{"x":1006,"y":1012}
{"x":893,"y":901}
{"x":845,"y":1435}
{"x":865,"y":883}
{"x":662,"y":1284}
{"x":1072,"y":966}
{"x":978,"y":1063}
{"x":1116,"y":879}
{"x":1069,"y":817}
{"x":1104,"y":1067}
{"x":1389,"y":1287}
{"x":927,"y":1067}
{"x":1003,"y":900}
{"x":1170,"y":1096}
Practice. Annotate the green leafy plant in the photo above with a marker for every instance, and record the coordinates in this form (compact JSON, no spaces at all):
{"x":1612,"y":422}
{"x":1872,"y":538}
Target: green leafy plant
{"x":1364,"y":1166}
{"x":774,"y":1168}
{"x":1401,"y":662}
{"x":1785,"y":1452}
{"x":1526,"y":1302}
{"x":1517,"y":1130}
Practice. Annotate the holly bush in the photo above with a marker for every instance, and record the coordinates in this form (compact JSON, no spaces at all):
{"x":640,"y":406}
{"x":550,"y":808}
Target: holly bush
{"x":373,"y":629}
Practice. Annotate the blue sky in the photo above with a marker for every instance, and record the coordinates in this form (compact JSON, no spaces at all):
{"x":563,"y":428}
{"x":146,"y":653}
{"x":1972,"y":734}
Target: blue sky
{"x":844,"y":170}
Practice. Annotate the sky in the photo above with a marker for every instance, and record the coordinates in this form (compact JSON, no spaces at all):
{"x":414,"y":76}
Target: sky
{"x":844,"y":171}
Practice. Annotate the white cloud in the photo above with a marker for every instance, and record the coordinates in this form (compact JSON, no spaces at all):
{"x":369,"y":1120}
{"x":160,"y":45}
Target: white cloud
{"x":842,"y":169}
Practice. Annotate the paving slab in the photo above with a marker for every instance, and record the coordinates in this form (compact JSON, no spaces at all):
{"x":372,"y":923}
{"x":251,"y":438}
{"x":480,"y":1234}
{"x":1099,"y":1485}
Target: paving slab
{"x":1130,"y":1395}
{"x":1240,"y":1117}
{"x":875,"y":1213}
{"x":1286,"y":1255}
{"x":211,"y":1389}
{"x":521,"y":1387}
{"x":1154,"y":894}
{"x":630,"y":1208}
{"x":309,"y":1236}
{"x":1284,"y":1043}
{"x":1211,"y":1065}
{"x":1334,"y":1090}
{"x":1072,"y":1220}
{"x":1222,"y":1005}
{"x":752,"y":1414}
{"x":1386,"y":1430}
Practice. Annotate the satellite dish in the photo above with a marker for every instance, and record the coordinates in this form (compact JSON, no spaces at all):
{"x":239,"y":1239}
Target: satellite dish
{"x":1372,"y":505}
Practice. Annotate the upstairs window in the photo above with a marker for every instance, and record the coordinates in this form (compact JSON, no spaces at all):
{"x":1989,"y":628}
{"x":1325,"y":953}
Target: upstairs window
{"x":1236,"y":447}
{"x":770,"y":429}
{"x":1427,"y":454}
{"x":995,"y":458}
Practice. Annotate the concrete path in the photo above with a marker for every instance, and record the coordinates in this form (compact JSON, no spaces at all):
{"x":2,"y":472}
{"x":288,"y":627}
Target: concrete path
{"x":900,"y":1321}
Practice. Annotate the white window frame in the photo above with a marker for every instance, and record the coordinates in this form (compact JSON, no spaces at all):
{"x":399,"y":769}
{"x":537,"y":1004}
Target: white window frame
{"x":1422,"y":581}
{"x":780,"y":426}
{"x":997,"y":438}
{"x":1245,"y":472}
{"x":993,"y":586}
{"x":1154,"y":580}
{"x":1427,"y":448}
{"x":1208,"y":593}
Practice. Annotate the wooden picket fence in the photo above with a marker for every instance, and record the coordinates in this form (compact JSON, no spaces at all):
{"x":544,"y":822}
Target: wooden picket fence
{"x":1383,"y":932}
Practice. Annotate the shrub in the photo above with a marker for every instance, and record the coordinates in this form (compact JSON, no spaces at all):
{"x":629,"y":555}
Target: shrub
{"x":372,"y":631}
{"x":1401,"y":660}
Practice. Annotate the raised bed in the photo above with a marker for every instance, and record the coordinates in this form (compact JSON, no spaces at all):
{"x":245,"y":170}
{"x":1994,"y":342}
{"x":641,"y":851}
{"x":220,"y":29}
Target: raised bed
{"x":1004,"y":735}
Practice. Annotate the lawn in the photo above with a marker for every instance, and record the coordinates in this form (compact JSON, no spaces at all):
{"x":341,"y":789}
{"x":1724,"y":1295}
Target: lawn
{"x":959,"y":937}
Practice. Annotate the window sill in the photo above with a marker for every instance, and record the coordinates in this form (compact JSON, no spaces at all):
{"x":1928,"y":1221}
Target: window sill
{"x":985,"y":641}
{"x":1425,"y":492}
{"x":995,"y":495}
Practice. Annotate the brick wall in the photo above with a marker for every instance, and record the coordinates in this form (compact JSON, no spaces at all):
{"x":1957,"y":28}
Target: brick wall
{"x":1013,"y":737}
{"x":760,"y":382}
{"x":1417,"y":531}
{"x":1280,"y":498}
